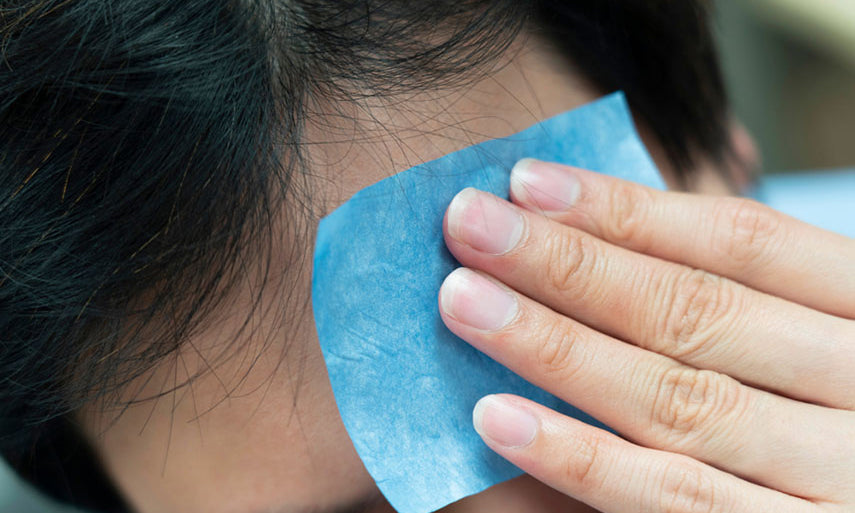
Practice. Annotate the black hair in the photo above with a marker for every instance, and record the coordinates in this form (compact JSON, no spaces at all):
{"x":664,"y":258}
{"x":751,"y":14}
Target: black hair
{"x":144,"y":147}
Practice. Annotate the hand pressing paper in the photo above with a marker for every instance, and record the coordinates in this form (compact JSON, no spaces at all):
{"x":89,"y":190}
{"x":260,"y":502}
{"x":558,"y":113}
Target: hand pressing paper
{"x":404,"y":385}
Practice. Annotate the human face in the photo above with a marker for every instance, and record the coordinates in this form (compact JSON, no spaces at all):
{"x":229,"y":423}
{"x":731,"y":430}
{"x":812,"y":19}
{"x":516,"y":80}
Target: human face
{"x":259,"y":431}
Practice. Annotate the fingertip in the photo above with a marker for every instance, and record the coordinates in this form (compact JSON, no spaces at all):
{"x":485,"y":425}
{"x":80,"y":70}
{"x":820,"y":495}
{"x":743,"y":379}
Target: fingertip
{"x":543,"y":186}
{"x":503,"y":422}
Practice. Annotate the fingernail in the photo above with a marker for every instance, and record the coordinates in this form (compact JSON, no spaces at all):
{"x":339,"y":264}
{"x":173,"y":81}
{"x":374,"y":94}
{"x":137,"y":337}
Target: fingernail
{"x":472,"y":299}
{"x":544,"y":186}
{"x":484,"y":222}
{"x":497,"y":419}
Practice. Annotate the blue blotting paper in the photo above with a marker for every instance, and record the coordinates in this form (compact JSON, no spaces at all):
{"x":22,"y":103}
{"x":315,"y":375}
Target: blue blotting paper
{"x":405,"y":386}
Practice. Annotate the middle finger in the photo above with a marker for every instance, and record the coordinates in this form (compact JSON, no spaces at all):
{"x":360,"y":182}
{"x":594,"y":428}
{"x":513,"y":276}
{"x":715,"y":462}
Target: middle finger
{"x":651,"y":398}
{"x":690,"y":315}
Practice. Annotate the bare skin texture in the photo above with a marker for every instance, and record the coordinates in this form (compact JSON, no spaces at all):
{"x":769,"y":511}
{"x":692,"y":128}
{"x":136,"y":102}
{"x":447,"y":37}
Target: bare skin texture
{"x":259,"y":431}
{"x":713,"y":333}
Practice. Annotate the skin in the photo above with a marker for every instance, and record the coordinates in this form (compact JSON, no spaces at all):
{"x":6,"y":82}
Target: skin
{"x":719,"y":330}
{"x":258,"y":431}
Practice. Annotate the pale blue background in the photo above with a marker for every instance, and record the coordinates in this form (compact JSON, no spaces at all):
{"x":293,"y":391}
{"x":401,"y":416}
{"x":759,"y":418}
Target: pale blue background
{"x":825,"y":199}
{"x":16,"y":497}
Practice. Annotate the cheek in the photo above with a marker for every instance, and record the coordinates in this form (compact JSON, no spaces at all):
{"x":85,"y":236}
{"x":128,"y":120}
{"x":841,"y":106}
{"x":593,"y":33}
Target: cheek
{"x":521,"y":494}
{"x":276,"y":440}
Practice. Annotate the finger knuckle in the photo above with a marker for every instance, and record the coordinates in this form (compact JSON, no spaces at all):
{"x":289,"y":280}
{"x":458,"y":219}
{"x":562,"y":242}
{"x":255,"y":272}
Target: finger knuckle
{"x":689,"y":402}
{"x":571,"y":256}
{"x":556,"y":352}
{"x":698,"y":312}
{"x":627,"y":214}
{"x":748,"y":229}
{"x":687,"y":488}
{"x":584,"y":466}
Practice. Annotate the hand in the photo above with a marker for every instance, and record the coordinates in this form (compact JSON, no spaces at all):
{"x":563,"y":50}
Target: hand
{"x":714,"y":334}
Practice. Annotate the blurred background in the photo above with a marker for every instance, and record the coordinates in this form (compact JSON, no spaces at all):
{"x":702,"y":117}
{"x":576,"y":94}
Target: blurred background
{"x":790,"y":68}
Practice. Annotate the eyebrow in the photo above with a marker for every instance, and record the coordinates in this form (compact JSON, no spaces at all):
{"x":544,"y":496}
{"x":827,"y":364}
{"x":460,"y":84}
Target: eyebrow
{"x":361,"y":504}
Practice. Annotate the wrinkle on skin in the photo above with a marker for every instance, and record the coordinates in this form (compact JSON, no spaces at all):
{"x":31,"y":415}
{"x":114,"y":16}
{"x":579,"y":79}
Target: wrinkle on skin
{"x":260,"y":430}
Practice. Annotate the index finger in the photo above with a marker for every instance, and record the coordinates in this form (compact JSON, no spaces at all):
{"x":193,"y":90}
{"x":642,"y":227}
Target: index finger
{"x":732,"y":237}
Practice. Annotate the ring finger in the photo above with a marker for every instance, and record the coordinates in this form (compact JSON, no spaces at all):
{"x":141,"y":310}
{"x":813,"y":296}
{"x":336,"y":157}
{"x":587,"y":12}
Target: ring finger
{"x":652,"y":398}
